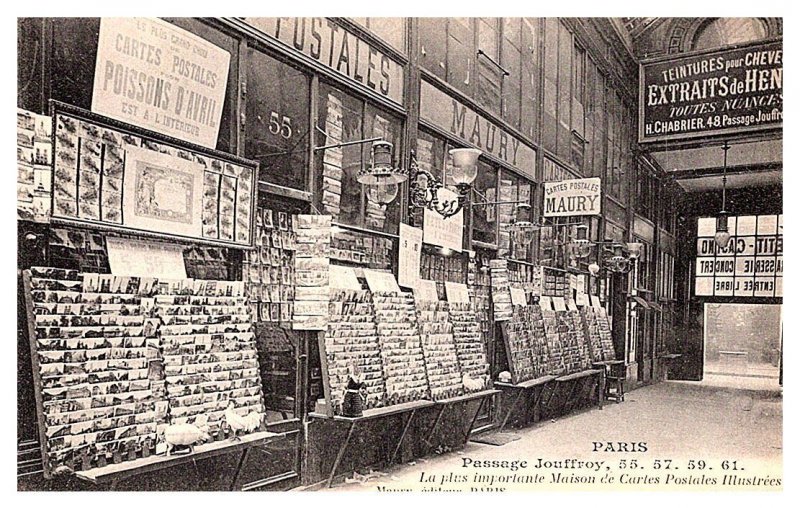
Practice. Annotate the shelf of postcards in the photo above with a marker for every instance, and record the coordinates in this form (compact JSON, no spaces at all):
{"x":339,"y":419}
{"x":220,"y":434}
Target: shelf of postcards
{"x":541,"y":341}
{"x":117,"y":360}
{"x":401,"y":349}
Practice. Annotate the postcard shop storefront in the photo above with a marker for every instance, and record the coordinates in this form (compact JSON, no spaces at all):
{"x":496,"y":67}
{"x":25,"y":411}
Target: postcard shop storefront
{"x":213,"y":240}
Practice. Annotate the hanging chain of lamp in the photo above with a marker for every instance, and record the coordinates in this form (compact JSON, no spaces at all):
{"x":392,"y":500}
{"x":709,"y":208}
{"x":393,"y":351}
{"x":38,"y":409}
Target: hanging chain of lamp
{"x":722,"y":235}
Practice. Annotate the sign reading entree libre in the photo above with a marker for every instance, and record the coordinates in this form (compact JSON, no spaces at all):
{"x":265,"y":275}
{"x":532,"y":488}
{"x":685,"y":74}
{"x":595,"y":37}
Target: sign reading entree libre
{"x":572,"y":197}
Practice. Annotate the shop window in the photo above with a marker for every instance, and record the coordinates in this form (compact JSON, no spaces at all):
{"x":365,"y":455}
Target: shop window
{"x":490,"y":74}
{"x":392,"y":31}
{"x":512,"y":188}
{"x":484,"y":218}
{"x":433,"y":45}
{"x":75,"y":52}
{"x":277,"y":125}
{"x":721,"y":32}
{"x":460,"y":54}
{"x":29,"y":64}
{"x":529,"y":78}
{"x":344,"y":118}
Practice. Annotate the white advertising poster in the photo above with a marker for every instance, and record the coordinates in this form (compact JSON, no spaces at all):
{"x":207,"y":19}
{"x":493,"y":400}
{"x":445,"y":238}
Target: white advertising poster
{"x":443,"y":232}
{"x":343,"y":277}
{"x":162,"y":193}
{"x":141,"y":258}
{"x":425,"y":291}
{"x":410,"y":255}
{"x":456,"y":293}
{"x":572,"y":197}
{"x":155,"y":75}
{"x":381,"y":282}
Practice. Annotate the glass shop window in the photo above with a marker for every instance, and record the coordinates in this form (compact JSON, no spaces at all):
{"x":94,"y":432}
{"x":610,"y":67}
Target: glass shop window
{"x":392,"y":31}
{"x":512,"y":188}
{"x":484,"y":218}
{"x":75,"y":53}
{"x":344,"y":118}
{"x":277,"y":123}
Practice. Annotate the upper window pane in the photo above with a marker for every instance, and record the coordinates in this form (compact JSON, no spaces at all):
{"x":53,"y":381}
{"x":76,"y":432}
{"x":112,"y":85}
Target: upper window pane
{"x":726,"y":31}
{"x":277,"y":120}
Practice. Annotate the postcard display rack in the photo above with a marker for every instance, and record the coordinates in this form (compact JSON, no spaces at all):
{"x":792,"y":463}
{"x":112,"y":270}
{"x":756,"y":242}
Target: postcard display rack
{"x":541,"y":340}
{"x":118,"y":359}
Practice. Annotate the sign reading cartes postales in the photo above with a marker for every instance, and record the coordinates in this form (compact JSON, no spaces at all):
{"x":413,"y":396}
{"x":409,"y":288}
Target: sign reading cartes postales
{"x":572,"y":197}
{"x":727,"y":91}
{"x":155,"y":75}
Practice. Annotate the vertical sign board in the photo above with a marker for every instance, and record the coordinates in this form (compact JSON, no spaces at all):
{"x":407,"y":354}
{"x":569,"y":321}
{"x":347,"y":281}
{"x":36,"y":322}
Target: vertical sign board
{"x":750,"y":265}
{"x":443,"y":232}
{"x":710,"y":93}
{"x":155,"y":75}
{"x":569,"y":198}
{"x":409,"y":256}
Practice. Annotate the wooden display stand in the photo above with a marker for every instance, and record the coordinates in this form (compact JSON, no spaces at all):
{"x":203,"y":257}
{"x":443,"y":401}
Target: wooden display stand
{"x":443,"y":405}
{"x":352,"y":424}
{"x":110,"y":476}
{"x":530,"y":392}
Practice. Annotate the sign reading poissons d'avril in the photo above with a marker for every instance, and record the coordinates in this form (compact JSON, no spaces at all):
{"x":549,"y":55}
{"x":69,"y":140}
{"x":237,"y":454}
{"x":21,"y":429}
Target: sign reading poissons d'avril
{"x":572,"y":197}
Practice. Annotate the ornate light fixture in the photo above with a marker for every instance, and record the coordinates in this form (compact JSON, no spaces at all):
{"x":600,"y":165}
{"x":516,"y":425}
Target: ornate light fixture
{"x":380,"y":172}
{"x":618,"y":262}
{"x":634,"y":250}
{"x":425,"y":188}
{"x":722,"y":235}
{"x":522,"y":230}
{"x":581,"y":246}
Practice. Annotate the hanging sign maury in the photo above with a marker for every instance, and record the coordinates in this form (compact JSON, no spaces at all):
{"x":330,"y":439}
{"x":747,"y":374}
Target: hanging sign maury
{"x":572,"y":197}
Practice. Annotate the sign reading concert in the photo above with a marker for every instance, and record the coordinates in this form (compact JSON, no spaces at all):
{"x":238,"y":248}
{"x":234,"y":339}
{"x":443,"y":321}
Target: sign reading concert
{"x":572,"y":197}
{"x":155,"y":75}
{"x":732,"y":90}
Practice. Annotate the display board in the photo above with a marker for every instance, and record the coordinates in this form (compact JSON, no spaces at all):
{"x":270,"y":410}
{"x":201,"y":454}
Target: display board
{"x":469,"y":347}
{"x":312,"y":271}
{"x":439,"y":349}
{"x":554,"y":344}
{"x":401,"y":349}
{"x":117,"y":176}
{"x":269,"y":269}
{"x":592,"y":331}
{"x":604,"y":328}
{"x":750,"y":265}
{"x":350,"y":347}
{"x":501,"y":294}
{"x":116,"y":359}
{"x":517,"y":336}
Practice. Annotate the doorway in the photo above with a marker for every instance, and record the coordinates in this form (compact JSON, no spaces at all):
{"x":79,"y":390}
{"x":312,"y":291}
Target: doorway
{"x":742,"y":343}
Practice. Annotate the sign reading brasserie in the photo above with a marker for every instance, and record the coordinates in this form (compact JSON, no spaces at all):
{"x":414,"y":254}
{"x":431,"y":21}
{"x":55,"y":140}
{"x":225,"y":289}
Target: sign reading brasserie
{"x":155,"y":75}
{"x":339,"y":49}
{"x":445,"y":112}
{"x":572,"y":197}
{"x":751,"y":264}
{"x":731,"y":90}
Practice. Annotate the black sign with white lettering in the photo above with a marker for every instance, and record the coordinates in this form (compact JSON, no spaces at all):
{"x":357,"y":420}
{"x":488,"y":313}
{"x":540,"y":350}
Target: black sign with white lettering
{"x":732,"y":90}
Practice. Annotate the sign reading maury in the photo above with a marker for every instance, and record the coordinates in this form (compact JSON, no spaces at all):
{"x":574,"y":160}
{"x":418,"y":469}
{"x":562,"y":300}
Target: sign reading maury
{"x":454,"y":117}
{"x":158,"y":76}
{"x":333,"y":46}
{"x":572,"y":197}
{"x":733,"y":90}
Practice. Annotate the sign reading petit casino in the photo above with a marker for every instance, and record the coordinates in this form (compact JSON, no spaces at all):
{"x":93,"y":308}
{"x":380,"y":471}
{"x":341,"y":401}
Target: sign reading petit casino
{"x":572,"y":197}
{"x":155,"y":75}
{"x":726,"y":91}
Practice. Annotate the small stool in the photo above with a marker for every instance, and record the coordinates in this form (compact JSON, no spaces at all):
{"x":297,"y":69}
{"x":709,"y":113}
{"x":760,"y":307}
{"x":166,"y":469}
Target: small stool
{"x":615,"y":388}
